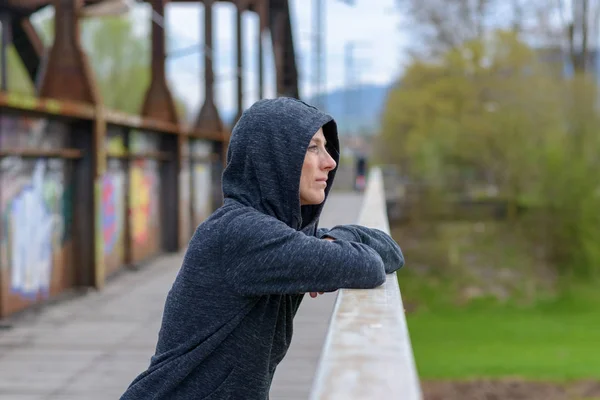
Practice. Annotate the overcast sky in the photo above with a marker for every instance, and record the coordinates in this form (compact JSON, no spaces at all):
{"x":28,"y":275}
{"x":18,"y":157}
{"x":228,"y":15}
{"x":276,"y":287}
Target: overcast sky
{"x":371,"y":24}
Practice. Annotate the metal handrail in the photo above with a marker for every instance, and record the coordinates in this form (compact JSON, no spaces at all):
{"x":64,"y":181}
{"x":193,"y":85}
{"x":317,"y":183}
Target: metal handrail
{"x":367,"y":353}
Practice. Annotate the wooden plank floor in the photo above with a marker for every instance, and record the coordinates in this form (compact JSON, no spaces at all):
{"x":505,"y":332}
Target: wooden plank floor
{"x":294,"y":376}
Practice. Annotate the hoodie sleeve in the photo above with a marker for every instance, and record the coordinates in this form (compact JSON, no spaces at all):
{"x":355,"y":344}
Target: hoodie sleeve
{"x":381,"y":242}
{"x":262,"y":255}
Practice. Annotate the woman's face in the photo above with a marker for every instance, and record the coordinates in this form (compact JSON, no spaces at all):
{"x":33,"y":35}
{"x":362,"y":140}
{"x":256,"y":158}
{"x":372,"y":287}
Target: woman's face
{"x":315,"y":170}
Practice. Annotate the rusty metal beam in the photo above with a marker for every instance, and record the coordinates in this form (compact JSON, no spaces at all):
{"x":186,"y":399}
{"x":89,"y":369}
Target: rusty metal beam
{"x":276,"y":17}
{"x":28,"y":3}
{"x":36,"y":4}
{"x":208,"y":118}
{"x":6,"y":38}
{"x":28,"y":44}
{"x":67,"y":75}
{"x":159,"y":102}
{"x":283,"y":48}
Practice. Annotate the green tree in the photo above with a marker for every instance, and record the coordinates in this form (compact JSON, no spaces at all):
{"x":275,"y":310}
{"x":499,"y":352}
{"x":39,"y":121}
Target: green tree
{"x":121,"y":61}
{"x":442,"y":25}
{"x":489,"y":112}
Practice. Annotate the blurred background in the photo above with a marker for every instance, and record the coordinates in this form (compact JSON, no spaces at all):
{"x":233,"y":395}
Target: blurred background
{"x":484,"y":116}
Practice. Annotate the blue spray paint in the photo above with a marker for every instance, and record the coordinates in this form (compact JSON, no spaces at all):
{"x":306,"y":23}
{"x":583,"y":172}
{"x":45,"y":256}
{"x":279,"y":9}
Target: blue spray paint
{"x":33,"y":225}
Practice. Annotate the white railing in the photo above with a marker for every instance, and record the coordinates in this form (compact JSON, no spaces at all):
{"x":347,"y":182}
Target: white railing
{"x":367,"y":352}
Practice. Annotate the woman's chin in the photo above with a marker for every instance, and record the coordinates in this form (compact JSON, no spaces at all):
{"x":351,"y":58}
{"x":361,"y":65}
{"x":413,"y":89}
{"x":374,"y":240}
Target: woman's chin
{"x":314,"y":200}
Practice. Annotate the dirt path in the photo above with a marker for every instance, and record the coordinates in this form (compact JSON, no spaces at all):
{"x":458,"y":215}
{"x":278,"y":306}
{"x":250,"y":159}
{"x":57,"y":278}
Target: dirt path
{"x":510,"y":390}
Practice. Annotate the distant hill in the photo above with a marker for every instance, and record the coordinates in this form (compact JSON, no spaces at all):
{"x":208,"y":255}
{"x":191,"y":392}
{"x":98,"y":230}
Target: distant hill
{"x":356,"y":110}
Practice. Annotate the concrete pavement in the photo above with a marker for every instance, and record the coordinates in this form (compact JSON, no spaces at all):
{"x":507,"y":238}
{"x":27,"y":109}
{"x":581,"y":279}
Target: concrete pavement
{"x":90,"y":347}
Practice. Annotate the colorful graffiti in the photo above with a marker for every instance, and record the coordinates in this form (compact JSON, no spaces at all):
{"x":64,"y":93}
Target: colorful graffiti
{"x":113,"y":209}
{"x":144,"y":199}
{"x":33,"y":221}
{"x":35,"y":203}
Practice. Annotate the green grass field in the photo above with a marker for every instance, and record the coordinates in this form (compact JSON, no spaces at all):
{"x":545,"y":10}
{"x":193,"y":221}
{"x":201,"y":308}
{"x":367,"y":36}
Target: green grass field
{"x":530,"y":344}
{"x":552,"y":336}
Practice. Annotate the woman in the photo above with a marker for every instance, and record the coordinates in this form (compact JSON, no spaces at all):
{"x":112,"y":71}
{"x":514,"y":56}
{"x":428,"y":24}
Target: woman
{"x":227,"y":321}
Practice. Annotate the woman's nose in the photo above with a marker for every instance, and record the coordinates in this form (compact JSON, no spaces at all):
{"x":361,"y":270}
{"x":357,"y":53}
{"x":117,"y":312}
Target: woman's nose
{"x":329,"y":163}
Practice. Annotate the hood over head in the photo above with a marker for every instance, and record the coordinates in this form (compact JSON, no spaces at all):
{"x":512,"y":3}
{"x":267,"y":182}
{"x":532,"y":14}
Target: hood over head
{"x":265,"y":157}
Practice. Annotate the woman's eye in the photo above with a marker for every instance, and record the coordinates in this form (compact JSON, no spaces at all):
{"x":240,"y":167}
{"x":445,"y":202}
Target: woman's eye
{"x":313,"y":148}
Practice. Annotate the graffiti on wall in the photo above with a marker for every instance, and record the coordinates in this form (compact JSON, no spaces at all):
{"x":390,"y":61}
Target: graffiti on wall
{"x":36,"y":207}
{"x":113,"y":209}
{"x":144,"y":198}
{"x":33,"y":221}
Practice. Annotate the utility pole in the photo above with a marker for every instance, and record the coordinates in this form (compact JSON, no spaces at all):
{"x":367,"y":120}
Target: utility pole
{"x":354,"y":64}
{"x":319,"y":61}
{"x":318,"y":57}
{"x":349,"y":75}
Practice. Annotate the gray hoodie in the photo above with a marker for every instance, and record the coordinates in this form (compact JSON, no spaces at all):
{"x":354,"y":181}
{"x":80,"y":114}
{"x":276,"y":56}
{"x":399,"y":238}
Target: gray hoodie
{"x":227,"y":320}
